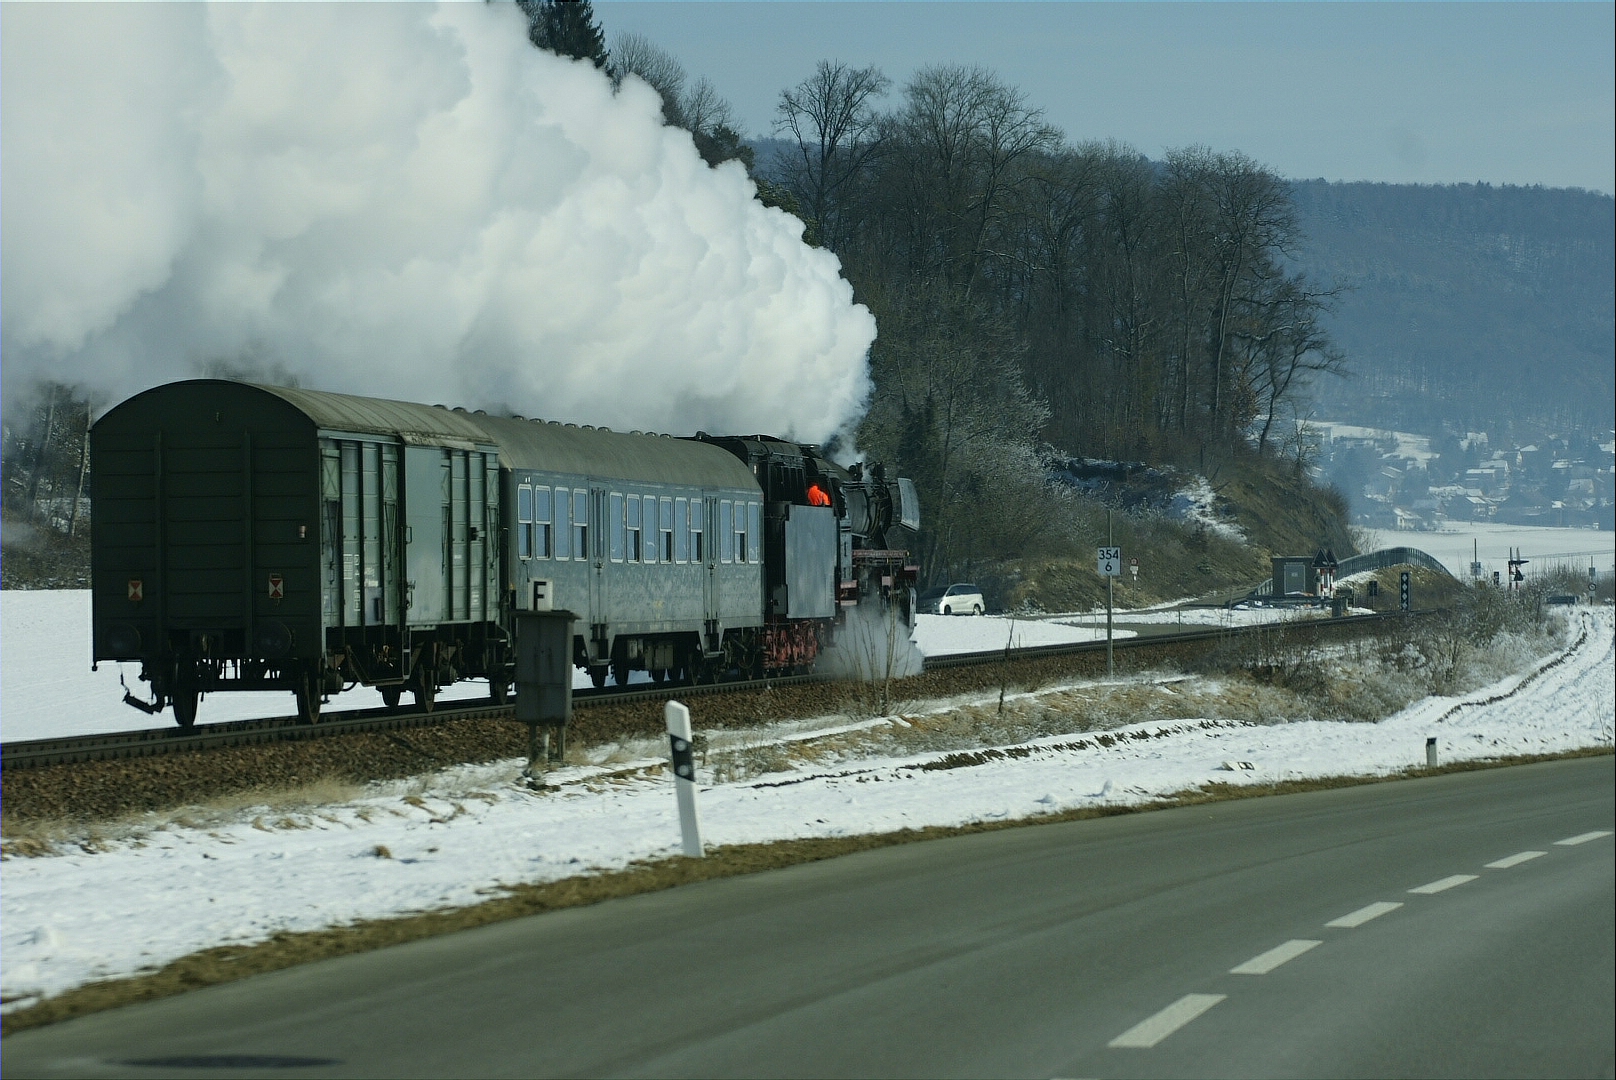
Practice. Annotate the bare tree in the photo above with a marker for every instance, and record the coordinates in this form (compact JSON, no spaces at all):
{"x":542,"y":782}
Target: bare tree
{"x":831,"y":116}
{"x":959,"y":145}
{"x":635,"y":54}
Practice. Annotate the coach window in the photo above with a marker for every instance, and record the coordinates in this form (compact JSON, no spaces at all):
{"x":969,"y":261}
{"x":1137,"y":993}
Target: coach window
{"x":542,"y":531}
{"x":524,"y":522}
{"x":741,"y":548}
{"x":726,"y":533}
{"x":562,"y":534}
{"x":681,"y":530}
{"x":754,"y":528}
{"x":635,"y":551}
{"x":665,"y":527}
{"x":648,"y":524}
{"x":580,"y":524}
{"x":698,"y":550}
{"x":615,"y":512}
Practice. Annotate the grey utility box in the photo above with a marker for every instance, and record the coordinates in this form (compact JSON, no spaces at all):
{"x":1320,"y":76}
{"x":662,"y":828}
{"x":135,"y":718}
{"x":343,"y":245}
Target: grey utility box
{"x":544,"y":667}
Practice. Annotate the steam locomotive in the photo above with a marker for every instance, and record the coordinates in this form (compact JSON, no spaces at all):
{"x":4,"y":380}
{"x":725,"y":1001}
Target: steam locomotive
{"x":252,"y":537}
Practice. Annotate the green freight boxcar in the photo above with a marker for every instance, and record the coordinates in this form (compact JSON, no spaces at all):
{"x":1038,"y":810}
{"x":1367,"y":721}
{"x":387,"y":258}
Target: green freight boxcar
{"x":254,"y":537}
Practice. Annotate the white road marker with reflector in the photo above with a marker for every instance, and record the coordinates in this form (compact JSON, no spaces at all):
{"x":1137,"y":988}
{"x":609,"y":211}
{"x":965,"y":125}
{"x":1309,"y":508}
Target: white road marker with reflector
{"x":1364,"y":914}
{"x":1515,"y":860}
{"x":1581,"y":838}
{"x":1279,"y":954}
{"x":684,"y":777}
{"x":1149,"y":1032}
{"x":1443,"y":885}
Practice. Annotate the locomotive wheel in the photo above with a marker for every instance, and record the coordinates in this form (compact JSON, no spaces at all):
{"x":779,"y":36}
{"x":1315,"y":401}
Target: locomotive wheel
{"x":499,"y":691}
{"x":620,"y":672}
{"x":185,"y":707}
{"x":659,"y":675}
{"x":426,"y":693}
{"x":308,"y":698}
{"x":392,"y":695}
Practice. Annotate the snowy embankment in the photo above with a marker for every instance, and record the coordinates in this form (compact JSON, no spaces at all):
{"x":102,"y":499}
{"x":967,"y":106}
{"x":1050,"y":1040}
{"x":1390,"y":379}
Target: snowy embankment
{"x":69,"y":918}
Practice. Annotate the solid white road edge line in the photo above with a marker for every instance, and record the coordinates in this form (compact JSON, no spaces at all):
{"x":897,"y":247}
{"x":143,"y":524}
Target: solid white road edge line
{"x":1582,"y":838}
{"x":1444,"y":885}
{"x":1516,"y":860}
{"x":1279,"y":954}
{"x":1364,"y":914}
{"x":1149,"y":1032}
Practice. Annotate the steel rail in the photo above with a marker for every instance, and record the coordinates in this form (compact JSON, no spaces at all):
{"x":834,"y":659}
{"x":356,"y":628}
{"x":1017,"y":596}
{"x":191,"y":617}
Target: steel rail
{"x":153,"y":742}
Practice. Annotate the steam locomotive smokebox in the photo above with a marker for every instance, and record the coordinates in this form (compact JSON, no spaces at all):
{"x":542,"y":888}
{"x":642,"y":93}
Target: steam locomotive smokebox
{"x":544,"y":667}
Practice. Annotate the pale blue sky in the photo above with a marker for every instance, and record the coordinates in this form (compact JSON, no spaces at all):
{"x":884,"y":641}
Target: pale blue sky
{"x":1518,"y":93}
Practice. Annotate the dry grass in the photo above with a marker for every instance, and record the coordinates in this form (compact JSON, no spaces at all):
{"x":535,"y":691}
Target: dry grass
{"x":275,"y":807}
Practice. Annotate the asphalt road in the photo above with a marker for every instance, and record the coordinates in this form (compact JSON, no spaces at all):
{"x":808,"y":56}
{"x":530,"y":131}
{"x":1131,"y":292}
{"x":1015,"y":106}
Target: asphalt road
{"x":1193,"y":942}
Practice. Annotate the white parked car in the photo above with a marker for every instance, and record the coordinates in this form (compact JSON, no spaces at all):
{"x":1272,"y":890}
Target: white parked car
{"x":954,"y":600}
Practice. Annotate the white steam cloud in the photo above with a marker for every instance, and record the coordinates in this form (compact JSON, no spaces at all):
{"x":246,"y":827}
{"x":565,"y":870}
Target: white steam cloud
{"x":398,"y":200}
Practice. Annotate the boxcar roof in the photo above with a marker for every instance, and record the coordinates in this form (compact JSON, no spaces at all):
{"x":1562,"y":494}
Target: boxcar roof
{"x":533,"y":444}
{"x":523,"y":444}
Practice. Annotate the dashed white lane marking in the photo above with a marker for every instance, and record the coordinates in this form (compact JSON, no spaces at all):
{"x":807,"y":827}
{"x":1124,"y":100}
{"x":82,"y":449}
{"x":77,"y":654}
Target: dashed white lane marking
{"x":1444,"y":885}
{"x":1516,"y":860}
{"x":1582,"y":838}
{"x":1364,"y":914}
{"x":1279,"y":954}
{"x":1149,"y":1032}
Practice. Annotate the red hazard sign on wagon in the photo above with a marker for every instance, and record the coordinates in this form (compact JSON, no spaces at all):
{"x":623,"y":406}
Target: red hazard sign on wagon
{"x":277,"y":588}
{"x":137,"y":590}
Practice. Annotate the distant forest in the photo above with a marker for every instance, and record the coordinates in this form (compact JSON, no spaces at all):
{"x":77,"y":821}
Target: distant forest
{"x":1466,"y":306}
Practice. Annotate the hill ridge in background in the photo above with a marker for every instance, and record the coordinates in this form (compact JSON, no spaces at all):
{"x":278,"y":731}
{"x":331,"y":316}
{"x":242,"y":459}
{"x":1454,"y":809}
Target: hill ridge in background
{"x":1466,"y":306}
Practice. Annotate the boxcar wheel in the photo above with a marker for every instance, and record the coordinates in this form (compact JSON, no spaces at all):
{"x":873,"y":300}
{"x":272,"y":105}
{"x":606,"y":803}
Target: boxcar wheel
{"x":597,"y":675}
{"x":499,"y":691}
{"x":308,"y":697}
{"x":185,"y":707}
{"x":426,"y":693}
{"x":392,"y":695}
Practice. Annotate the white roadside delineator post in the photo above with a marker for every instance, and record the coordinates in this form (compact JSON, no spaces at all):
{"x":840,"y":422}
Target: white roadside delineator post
{"x":1430,"y":752}
{"x":684,"y":776}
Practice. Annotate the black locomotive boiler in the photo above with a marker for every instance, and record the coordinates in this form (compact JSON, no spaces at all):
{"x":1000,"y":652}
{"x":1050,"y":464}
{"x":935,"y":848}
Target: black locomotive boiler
{"x":249,"y":537}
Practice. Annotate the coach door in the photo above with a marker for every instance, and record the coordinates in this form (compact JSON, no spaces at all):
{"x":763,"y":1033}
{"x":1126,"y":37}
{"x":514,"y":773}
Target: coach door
{"x":599,"y":545}
{"x":712,"y":603}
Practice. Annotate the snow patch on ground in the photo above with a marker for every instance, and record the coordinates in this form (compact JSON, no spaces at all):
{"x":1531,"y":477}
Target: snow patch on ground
{"x":458,"y":837}
{"x":1196,"y":504}
{"x":47,"y":689}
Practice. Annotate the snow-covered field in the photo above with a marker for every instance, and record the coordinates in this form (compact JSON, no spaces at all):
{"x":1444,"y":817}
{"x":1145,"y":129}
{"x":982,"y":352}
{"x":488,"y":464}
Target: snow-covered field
{"x":449,"y":840}
{"x":47,"y":689}
{"x":1455,"y":543}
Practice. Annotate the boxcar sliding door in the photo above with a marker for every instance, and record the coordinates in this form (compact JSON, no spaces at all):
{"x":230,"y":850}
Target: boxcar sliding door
{"x":426,"y":533}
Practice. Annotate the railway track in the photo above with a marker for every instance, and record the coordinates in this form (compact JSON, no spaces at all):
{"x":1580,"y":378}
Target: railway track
{"x":152,"y":742}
